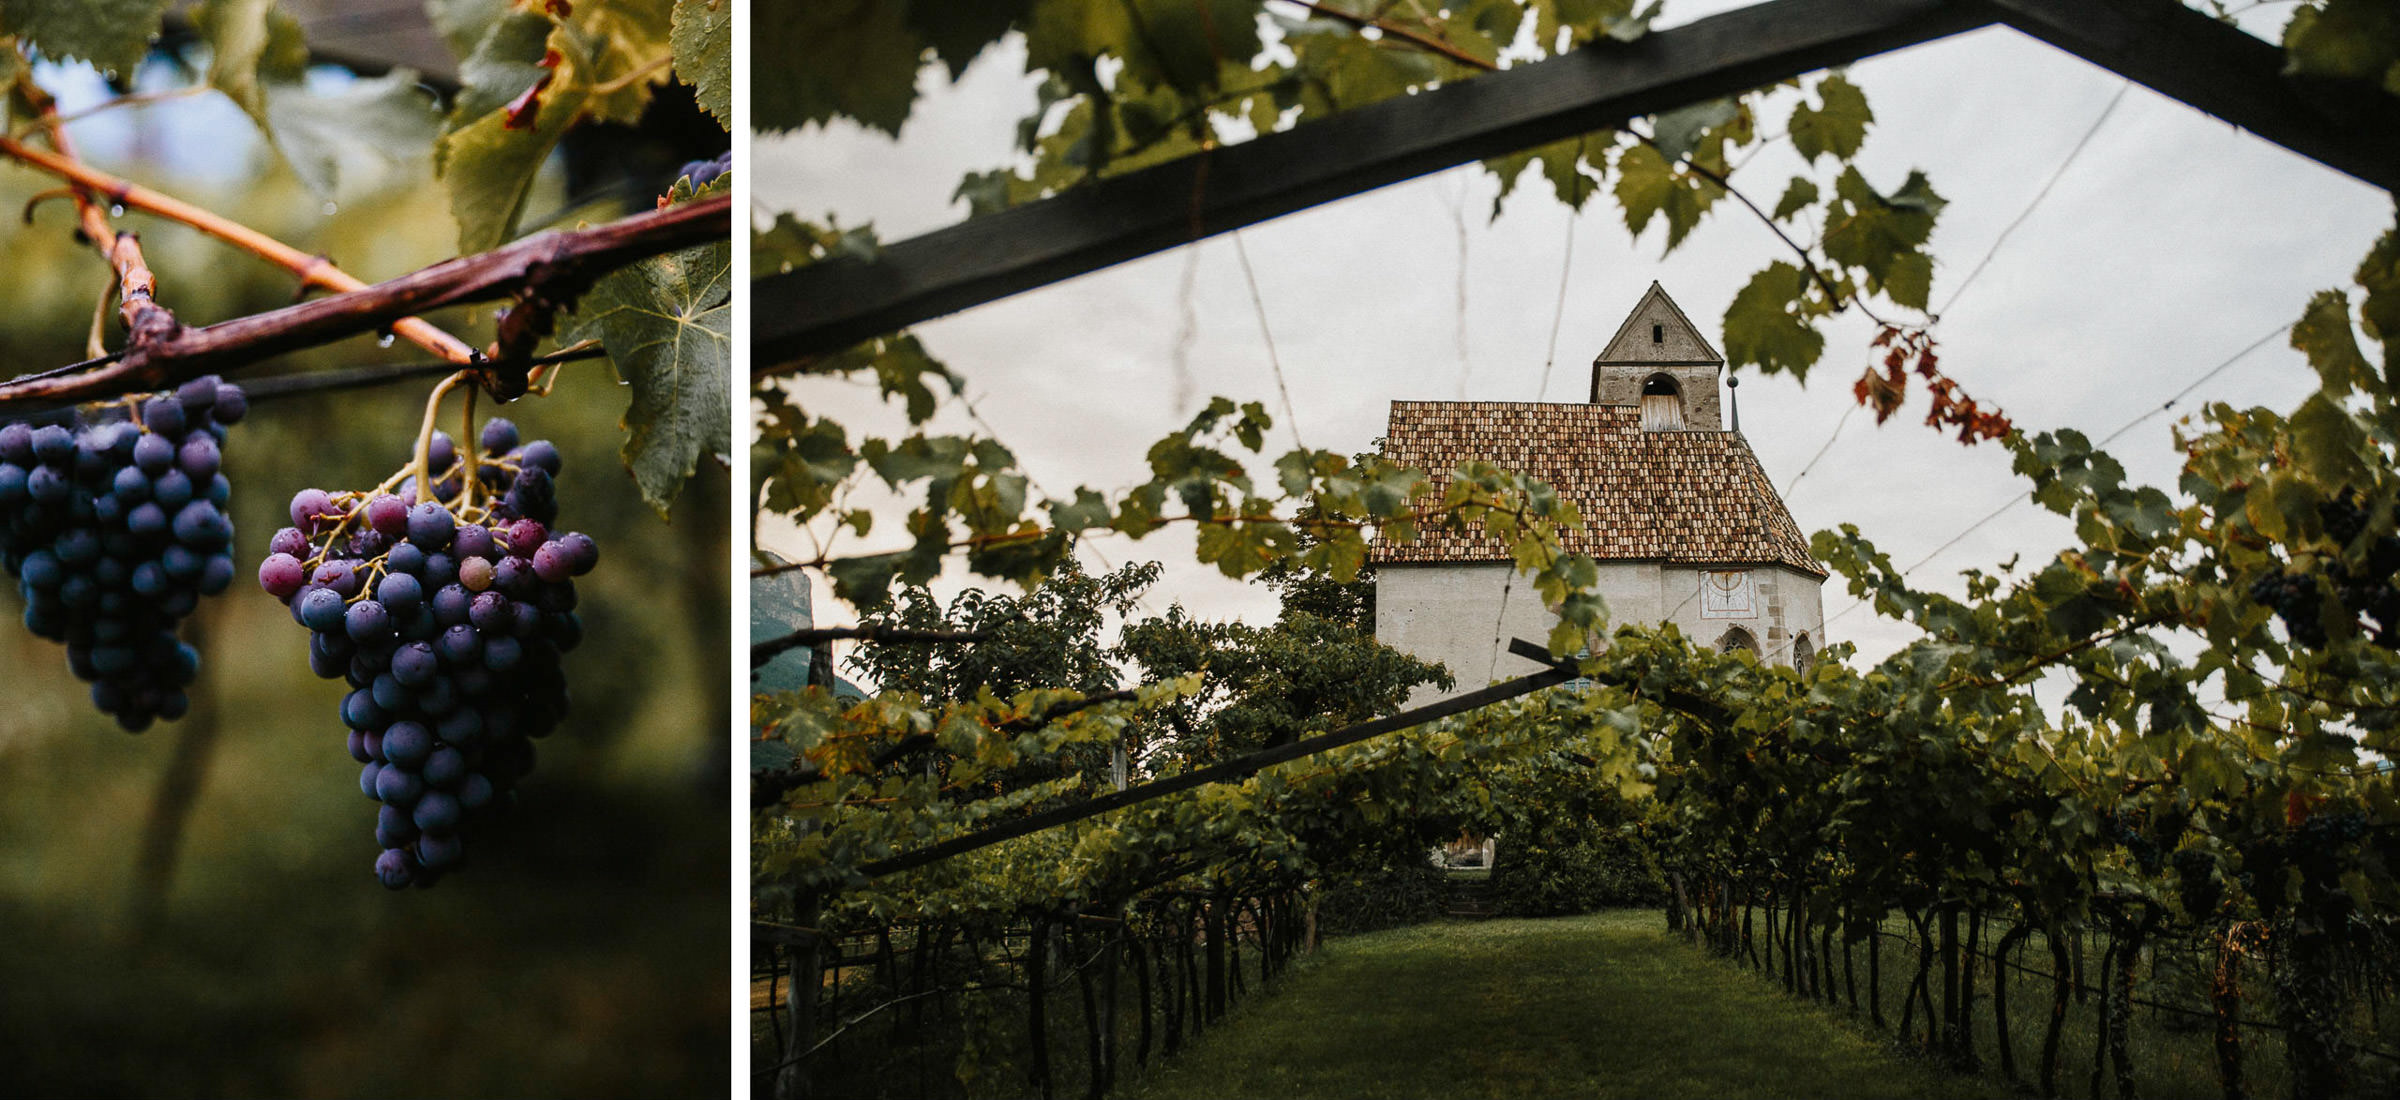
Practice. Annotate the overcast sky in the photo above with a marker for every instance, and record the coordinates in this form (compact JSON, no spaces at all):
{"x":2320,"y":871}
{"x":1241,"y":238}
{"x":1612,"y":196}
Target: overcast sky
{"x":2171,"y":243}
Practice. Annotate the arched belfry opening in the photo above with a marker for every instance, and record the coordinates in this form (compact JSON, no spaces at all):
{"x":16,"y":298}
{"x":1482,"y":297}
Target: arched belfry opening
{"x":1662,"y":404}
{"x":1659,"y":361}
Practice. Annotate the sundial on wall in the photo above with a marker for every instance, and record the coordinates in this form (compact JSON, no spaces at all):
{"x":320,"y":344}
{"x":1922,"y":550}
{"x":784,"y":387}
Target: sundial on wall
{"x":1727,"y":594}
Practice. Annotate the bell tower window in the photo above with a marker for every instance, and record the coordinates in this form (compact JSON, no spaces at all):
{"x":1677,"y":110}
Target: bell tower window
{"x":1662,"y":404}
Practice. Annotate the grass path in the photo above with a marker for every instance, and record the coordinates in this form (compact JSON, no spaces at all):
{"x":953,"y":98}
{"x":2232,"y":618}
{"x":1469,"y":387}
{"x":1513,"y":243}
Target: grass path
{"x":1604,"y":1005}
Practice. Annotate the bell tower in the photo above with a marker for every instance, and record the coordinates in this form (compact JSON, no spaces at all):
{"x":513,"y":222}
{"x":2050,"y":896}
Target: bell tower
{"x":1659,"y":361}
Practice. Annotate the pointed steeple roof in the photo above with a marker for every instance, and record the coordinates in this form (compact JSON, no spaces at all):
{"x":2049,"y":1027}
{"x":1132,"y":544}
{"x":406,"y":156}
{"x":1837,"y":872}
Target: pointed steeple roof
{"x":1677,"y":339}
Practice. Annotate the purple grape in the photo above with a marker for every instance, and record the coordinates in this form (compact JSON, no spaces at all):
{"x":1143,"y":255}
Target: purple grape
{"x":395,"y":868}
{"x":553,"y":563}
{"x":313,"y":511}
{"x":368,"y":622}
{"x":430,"y":526}
{"x":499,"y":435}
{"x":388,"y":514}
{"x":407,"y":744}
{"x":399,"y":592}
{"x":288,"y":540}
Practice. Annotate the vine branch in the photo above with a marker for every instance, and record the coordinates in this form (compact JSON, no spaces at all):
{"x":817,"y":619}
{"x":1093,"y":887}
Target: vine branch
{"x":313,"y":271}
{"x":535,"y":261}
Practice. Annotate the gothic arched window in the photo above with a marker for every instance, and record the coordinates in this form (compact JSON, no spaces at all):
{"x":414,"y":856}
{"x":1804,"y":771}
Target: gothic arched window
{"x":1662,"y":404}
{"x":1803,"y":653}
{"x":1737,"y":638}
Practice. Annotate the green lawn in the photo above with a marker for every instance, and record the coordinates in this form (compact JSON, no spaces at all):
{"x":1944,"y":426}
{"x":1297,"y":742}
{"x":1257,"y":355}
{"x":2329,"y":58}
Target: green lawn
{"x":1602,"y":1005}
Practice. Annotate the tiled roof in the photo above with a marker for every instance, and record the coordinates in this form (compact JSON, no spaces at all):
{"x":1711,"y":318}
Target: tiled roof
{"x":1677,"y":496}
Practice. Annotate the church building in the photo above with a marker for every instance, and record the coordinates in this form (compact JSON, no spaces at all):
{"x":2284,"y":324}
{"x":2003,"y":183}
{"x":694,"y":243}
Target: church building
{"x":1677,"y":511}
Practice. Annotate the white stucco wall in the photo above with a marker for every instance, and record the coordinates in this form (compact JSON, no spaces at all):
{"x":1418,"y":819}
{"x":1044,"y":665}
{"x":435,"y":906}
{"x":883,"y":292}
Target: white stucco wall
{"x":1446,"y":613}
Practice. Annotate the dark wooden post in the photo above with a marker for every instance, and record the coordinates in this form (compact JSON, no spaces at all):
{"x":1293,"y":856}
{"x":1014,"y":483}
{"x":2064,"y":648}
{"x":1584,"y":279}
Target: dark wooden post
{"x":807,"y":975}
{"x":1037,"y":997}
{"x":2225,"y":998}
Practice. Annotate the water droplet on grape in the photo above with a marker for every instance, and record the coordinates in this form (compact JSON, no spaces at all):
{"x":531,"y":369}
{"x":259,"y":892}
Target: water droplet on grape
{"x":331,"y":209}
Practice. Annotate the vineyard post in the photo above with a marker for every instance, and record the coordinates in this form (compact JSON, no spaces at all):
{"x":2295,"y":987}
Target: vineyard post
{"x":2120,"y":1050}
{"x":2225,"y":1002}
{"x":1114,"y":952}
{"x":1966,"y":989}
{"x":794,"y":1082}
{"x":2101,"y":1030}
{"x":1095,"y":1052}
{"x":1875,"y":974}
{"x":1849,"y":971}
{"x":1825,"y":954}
{"x":1141,"y":987}
{"x":1235,"y":987}
{"x":1949,"y":1034}
{"x":2059,"y":970}
{"x":2009,"y":940}
{"x":1774,"y":936}
{"x":1037,"y":998}
{"x":1213,"y":926}
{"x":1749,"y":945}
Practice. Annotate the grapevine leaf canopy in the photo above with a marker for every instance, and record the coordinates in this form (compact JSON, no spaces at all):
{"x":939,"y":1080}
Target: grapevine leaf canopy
{"x":702,"y":36}
{"x":111,"y":34}
{"x":258,"y":58}
{"x":528,"y":79}
{"x":667,"y":323}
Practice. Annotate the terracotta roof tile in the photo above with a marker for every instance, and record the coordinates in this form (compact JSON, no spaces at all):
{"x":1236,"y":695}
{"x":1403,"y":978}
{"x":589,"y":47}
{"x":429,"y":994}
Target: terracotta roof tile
{"x":1689,"y":496}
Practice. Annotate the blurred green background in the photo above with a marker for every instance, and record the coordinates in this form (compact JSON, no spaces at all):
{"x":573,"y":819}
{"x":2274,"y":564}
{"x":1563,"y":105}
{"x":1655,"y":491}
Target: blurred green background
{"x":191,"y":911}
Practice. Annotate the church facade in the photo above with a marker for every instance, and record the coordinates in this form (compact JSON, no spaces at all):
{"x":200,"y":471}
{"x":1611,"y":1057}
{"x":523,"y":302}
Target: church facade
{"x":1683,"y":521}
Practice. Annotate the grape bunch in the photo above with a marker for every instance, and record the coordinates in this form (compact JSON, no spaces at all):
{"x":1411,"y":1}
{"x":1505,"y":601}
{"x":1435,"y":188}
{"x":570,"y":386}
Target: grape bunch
{"x":447,"y":613}
{"x":704,"y":172}
{"x":2293,"y":596}
{"x":2360,"y":579}
{"x":114,"y":530}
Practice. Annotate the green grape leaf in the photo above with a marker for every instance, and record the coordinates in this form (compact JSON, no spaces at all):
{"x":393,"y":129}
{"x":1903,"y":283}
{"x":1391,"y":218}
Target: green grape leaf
{"x":2327,"y":443}
{"x":486,"y":163}
{"x":368,"y":132}
{"x":702,"y":37}
{"x":1801,"y":195}
{"x":957,"y":30}
{"x":373,"y":129}
{"x":667,"y":323}
{"x":1644,"y":182}
{"x":250,"y":43}
{"x":1765,"y":326}
{"x":114,"y":35}
{"x":2355,"y":39}
{"x":1677,"y":132}
{"x":489,"y":169}
{"x":854,"y":58}
{"x":1838,"y":127}
{"x":2323,"y":334}
{"x":463,"y":23}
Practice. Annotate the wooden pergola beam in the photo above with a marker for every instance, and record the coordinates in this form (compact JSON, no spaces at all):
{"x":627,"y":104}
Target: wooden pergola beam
{"x":831,"y":305}
{"x":2178,"y":52}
